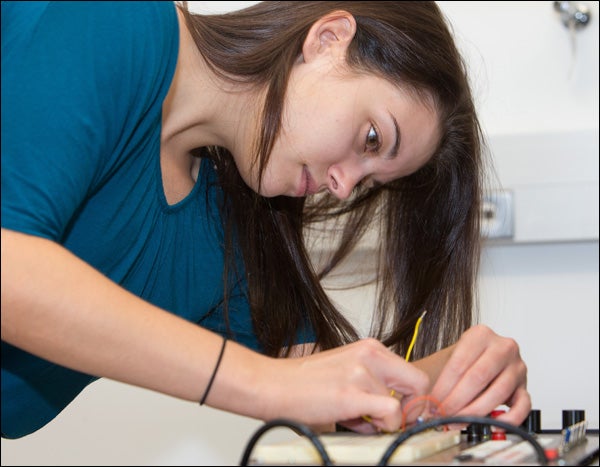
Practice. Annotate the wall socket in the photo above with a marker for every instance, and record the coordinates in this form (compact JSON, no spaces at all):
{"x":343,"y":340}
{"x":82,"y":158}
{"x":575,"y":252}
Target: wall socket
{"x":497,"y":220}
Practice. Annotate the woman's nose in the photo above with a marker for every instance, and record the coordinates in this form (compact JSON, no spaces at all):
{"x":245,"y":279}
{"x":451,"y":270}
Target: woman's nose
{"x":342,"y":180}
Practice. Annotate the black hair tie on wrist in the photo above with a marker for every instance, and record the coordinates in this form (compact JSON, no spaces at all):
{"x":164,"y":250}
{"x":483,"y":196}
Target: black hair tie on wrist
{"x":212,"y":377}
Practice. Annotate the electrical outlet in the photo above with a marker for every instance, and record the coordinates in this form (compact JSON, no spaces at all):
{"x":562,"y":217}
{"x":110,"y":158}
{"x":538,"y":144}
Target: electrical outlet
{"x":497,"y":217}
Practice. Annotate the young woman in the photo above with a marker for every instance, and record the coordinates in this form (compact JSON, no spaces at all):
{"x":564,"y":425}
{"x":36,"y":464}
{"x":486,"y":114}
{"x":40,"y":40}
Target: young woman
{"x":160,"y":169}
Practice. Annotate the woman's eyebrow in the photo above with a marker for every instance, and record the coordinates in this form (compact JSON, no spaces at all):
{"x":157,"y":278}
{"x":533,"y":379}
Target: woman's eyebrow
{"x":394,"y":149}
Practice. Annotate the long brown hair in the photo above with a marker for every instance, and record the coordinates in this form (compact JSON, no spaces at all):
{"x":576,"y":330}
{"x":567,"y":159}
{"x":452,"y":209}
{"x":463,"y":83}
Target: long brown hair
{"x":428,"y":221}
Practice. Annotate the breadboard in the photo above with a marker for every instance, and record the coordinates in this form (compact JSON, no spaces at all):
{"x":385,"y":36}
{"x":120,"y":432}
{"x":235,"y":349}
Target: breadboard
{"x":354,"y":449}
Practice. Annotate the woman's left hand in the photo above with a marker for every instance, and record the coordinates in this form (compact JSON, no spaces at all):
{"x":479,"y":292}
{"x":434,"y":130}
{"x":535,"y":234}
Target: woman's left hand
{"x":482,"y":371}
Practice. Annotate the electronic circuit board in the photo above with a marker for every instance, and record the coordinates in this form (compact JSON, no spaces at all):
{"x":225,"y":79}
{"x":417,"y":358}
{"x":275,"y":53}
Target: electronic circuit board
{"x":348,"y":448}
{"x":427,"y":448}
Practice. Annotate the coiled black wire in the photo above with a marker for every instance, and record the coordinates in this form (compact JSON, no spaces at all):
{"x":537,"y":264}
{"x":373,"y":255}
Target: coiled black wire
{"x":303,"y":429}
{"x":299,"y":428}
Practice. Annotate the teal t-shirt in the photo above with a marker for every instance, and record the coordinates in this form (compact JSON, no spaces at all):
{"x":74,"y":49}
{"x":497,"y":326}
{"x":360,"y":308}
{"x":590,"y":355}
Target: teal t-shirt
{"x":82,"y":91}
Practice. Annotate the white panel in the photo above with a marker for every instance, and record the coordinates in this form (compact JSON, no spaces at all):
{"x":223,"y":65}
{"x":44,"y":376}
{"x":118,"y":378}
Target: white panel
{"x":545,"y":157}
{"x":554,"y":181}
{"x":560,"y":212}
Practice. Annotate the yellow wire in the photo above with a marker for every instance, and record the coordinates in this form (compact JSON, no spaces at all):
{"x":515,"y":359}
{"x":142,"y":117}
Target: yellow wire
{"x":410,"y":347}
{"x":415,"y":334}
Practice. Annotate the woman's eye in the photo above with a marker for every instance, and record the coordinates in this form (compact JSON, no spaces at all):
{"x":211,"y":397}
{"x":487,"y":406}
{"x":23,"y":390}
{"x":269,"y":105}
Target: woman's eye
{"x":372,"y":143}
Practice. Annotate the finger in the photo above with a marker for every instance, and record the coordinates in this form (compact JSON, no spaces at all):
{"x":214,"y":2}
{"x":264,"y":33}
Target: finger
{"x":401,"y":416}
{"x":386,"y":414}
{"x":468,"y":388}
{"x":391,"y":369}
{"x":376,"y":402}
{"x":359,"y":425}
{"x":402,"y":377}
{"x":467,"y":351}
{"x":421,"y":407}
{"x":490,"y":380}
{"x":519,"y":407}
{"x":501,"y":391}
{"x":378,"y":372}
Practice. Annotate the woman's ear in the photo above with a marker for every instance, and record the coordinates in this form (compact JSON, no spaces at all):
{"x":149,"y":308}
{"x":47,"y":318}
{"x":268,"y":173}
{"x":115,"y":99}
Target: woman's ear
{"x":331,"y":34}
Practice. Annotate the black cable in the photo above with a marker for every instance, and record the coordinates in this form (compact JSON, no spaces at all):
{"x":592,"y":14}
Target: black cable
{"x":543,"y":460}
{"x":302,"y":429}
{"x":297,"y":427}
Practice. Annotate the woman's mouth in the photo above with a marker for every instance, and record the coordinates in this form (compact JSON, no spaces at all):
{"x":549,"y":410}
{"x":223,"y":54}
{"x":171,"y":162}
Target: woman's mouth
{"x":304,"y":183}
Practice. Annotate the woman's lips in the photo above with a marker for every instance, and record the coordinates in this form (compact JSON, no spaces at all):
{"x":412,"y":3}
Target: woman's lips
{"x":305,"y":182}
{"x":308,"y":186}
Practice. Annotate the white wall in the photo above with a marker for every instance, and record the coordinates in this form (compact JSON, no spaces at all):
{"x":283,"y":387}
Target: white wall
{"x":544,"y":294}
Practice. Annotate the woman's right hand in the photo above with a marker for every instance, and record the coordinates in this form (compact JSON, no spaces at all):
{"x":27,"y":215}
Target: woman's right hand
{"x":350,"y":385}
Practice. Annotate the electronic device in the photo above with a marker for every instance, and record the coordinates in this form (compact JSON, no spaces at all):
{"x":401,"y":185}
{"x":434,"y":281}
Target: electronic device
{"x":485,"y":441}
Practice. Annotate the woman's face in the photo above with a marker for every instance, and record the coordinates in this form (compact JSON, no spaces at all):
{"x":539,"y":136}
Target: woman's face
{"x":341,"y":129}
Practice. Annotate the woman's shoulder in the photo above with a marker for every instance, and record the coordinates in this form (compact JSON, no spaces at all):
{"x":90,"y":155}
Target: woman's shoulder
{"x":109,"y":54}
{"x":88,"y":25}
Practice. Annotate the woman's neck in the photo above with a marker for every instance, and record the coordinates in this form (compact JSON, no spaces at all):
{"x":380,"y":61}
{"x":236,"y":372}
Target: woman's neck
{"x":201,"y":109}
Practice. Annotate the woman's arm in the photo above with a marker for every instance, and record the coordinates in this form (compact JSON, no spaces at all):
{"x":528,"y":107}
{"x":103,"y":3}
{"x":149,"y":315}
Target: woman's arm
{"x":59,"y":308}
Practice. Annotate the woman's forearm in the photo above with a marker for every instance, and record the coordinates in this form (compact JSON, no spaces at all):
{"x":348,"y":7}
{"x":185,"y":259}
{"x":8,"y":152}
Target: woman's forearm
{"x":59,"y":308}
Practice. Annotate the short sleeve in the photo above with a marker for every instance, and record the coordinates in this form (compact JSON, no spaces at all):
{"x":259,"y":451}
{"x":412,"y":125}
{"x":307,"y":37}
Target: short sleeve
{"x":78,"y":78}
